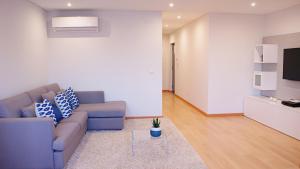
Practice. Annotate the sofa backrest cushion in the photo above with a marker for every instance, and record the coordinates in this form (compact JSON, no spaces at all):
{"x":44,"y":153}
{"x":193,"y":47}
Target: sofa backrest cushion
{"x":28,"y":111}
{"x":49,"y":96}
{"x":36,"y":94}
{"x":53,"y":87}
{"x":11,"y":107}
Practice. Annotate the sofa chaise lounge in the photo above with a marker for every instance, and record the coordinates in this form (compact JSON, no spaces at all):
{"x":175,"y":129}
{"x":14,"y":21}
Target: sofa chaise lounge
{"x":35,"y":143}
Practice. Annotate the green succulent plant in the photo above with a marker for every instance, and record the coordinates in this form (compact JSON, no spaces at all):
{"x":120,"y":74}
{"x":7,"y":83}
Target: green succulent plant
{"x":156,"y":123}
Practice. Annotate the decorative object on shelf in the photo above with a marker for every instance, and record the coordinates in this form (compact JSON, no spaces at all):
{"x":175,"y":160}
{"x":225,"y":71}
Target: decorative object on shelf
{"x":291,"y":103}
{"x":273,"y":99}
{"x":155,"y":131}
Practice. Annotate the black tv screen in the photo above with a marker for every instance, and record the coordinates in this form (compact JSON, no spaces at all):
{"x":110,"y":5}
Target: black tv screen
{"x":291,"y":64}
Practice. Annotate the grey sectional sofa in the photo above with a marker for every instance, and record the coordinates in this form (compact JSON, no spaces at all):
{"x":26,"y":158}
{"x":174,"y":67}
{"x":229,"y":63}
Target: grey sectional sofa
{"x":35,"y":143}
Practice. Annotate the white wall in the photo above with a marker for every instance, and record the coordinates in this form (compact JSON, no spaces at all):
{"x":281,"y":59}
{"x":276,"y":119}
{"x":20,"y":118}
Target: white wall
{"x":286,"y":89}
{"x":214,"y":61}
{"x":227,"y":77}
{"x":126,"y":62}
{"x":167,"y":63}
{"x":23,"y":38}
{"x":283,"y":28}
{"x":283,"y":22}
{"x":191,"y":47}
{"x":232,"y":40}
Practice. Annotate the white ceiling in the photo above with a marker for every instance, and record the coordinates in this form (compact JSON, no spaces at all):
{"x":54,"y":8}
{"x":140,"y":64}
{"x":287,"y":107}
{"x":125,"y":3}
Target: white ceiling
{"x":188,"y":9}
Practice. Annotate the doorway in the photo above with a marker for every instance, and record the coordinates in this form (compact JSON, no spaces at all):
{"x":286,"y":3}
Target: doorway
{"x":173,"y":66}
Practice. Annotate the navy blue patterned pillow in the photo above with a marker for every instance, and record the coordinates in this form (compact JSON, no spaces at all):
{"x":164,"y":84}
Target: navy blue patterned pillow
{"x":63,"y":105}
{"x":45,"y":110}
{"x":57,"y":113}
{"x":72,"y":98}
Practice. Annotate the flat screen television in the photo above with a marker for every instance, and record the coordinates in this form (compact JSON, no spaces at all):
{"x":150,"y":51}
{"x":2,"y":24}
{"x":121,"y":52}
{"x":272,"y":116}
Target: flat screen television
{"x":291,"y":64}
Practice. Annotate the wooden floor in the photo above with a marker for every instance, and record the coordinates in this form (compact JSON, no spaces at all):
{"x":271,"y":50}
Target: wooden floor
{"x":232,"y":142}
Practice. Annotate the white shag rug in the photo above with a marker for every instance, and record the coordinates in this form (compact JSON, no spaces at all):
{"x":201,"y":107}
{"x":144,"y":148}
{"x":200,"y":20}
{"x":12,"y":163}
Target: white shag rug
{"x":114,"y":150}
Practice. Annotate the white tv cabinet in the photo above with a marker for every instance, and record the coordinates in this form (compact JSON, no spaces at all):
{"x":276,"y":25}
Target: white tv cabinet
{"x":273,"y":114}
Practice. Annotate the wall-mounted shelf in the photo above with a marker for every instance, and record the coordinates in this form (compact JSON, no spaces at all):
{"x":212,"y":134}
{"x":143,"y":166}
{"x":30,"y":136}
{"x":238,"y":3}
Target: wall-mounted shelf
{"x":266,"y":53}
{"x":265,"y":80}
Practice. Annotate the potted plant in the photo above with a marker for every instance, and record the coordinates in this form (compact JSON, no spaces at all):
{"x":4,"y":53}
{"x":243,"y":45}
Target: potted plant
{"x":155,"y":130}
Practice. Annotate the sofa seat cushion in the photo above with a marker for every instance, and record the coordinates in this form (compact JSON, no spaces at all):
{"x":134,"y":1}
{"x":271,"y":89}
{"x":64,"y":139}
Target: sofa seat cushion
{"x":77,"y":117}
{"x":64,"y":133}
{"x":103,"y":110}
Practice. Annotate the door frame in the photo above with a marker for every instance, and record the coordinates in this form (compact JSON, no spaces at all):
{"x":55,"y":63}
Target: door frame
{"x":173,"y":66}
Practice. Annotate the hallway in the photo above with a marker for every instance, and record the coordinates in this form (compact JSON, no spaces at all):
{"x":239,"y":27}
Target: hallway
{"x":232,"y":142}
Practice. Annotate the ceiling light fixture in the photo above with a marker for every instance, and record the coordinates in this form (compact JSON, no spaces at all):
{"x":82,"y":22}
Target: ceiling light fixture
{"x":178,"y":17}
{"x":253,"y":4}
{"x":69,"y":4}
{"x":171,"y":5}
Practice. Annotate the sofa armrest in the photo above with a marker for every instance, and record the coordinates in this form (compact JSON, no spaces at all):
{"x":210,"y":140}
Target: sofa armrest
{"x":89,"y":97}
{"x":26,"y":142}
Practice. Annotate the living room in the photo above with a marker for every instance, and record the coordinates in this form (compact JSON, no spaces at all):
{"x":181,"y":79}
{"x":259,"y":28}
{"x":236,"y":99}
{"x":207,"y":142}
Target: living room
{"x":130,"y":70}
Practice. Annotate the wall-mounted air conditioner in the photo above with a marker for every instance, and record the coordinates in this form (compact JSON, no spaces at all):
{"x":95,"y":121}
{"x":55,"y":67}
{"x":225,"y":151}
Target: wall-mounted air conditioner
{"x":78,"y":23}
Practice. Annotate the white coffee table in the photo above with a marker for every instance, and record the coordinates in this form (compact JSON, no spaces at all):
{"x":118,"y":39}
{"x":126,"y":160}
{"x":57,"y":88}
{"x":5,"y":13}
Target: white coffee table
{"x":143,"y":145}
